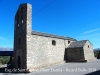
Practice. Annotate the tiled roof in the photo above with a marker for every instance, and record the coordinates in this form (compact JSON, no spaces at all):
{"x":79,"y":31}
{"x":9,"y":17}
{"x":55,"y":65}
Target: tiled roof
{"x":51,"y":35}
{"x":77,"y":44}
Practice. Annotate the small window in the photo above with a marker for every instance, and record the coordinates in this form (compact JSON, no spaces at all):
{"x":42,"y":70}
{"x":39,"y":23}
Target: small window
{"x":88,"y":46}
{"x":22,"y":21}
{"x":19,"y":40}
{"x":18,"y":25}
{"x":53,"y":42}
{"x":68,"y":42}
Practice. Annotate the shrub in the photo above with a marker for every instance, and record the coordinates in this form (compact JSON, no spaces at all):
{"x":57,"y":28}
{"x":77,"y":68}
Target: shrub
{"x":96,"y":53}
{"x":4,"y":59}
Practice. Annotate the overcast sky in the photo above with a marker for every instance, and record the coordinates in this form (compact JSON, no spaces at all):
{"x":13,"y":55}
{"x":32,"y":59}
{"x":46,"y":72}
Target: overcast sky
{"x":79,"y":19}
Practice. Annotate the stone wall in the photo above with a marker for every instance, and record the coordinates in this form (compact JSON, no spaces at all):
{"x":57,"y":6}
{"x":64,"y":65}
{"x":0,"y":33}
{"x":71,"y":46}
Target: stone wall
{"x":41,"y":52}
{"x":74,"y":54}
{"x":88,"y":51}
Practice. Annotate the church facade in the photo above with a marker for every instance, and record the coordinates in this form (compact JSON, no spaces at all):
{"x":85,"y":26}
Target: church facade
{"x":34,"y":49}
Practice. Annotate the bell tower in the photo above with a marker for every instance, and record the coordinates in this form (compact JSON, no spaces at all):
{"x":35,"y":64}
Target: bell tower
{"x":23,"y":18}
{"x":22,"y":28}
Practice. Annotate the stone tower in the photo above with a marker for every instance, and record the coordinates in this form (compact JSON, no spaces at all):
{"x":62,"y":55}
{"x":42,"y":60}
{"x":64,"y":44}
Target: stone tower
{"x":22,"y":29}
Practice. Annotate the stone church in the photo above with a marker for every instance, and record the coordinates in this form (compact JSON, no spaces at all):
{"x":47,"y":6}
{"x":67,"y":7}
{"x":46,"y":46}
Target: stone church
{"x":34,"y":49}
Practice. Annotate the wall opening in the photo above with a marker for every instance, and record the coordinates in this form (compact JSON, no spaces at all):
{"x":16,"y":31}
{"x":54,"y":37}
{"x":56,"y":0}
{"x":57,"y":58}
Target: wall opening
{"x":68,"y":42}
{"x":88,"y":46}
{"x":22,"y":21}
{"x":18,"y":25}
{"x":19,"y":62}
{"x":53,"y":42}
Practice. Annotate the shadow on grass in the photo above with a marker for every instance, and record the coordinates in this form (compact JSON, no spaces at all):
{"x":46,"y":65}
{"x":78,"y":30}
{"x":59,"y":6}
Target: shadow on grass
{"x":94,"y":73}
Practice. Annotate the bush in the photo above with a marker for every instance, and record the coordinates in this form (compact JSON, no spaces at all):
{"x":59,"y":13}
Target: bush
{"x":0,"y":63}
{"x":96,"y":53}
{"x":4,"y":59}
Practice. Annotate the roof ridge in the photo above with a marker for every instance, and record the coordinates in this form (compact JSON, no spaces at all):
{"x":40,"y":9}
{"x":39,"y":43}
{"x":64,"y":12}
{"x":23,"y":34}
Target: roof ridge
{"x":51,"y":35}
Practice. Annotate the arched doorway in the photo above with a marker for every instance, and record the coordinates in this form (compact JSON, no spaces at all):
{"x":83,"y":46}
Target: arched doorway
{"x":19,"y":62}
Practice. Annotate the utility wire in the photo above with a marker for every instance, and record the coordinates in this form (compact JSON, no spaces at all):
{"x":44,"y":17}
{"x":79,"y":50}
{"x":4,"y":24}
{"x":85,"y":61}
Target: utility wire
{"x":43,"y":7}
